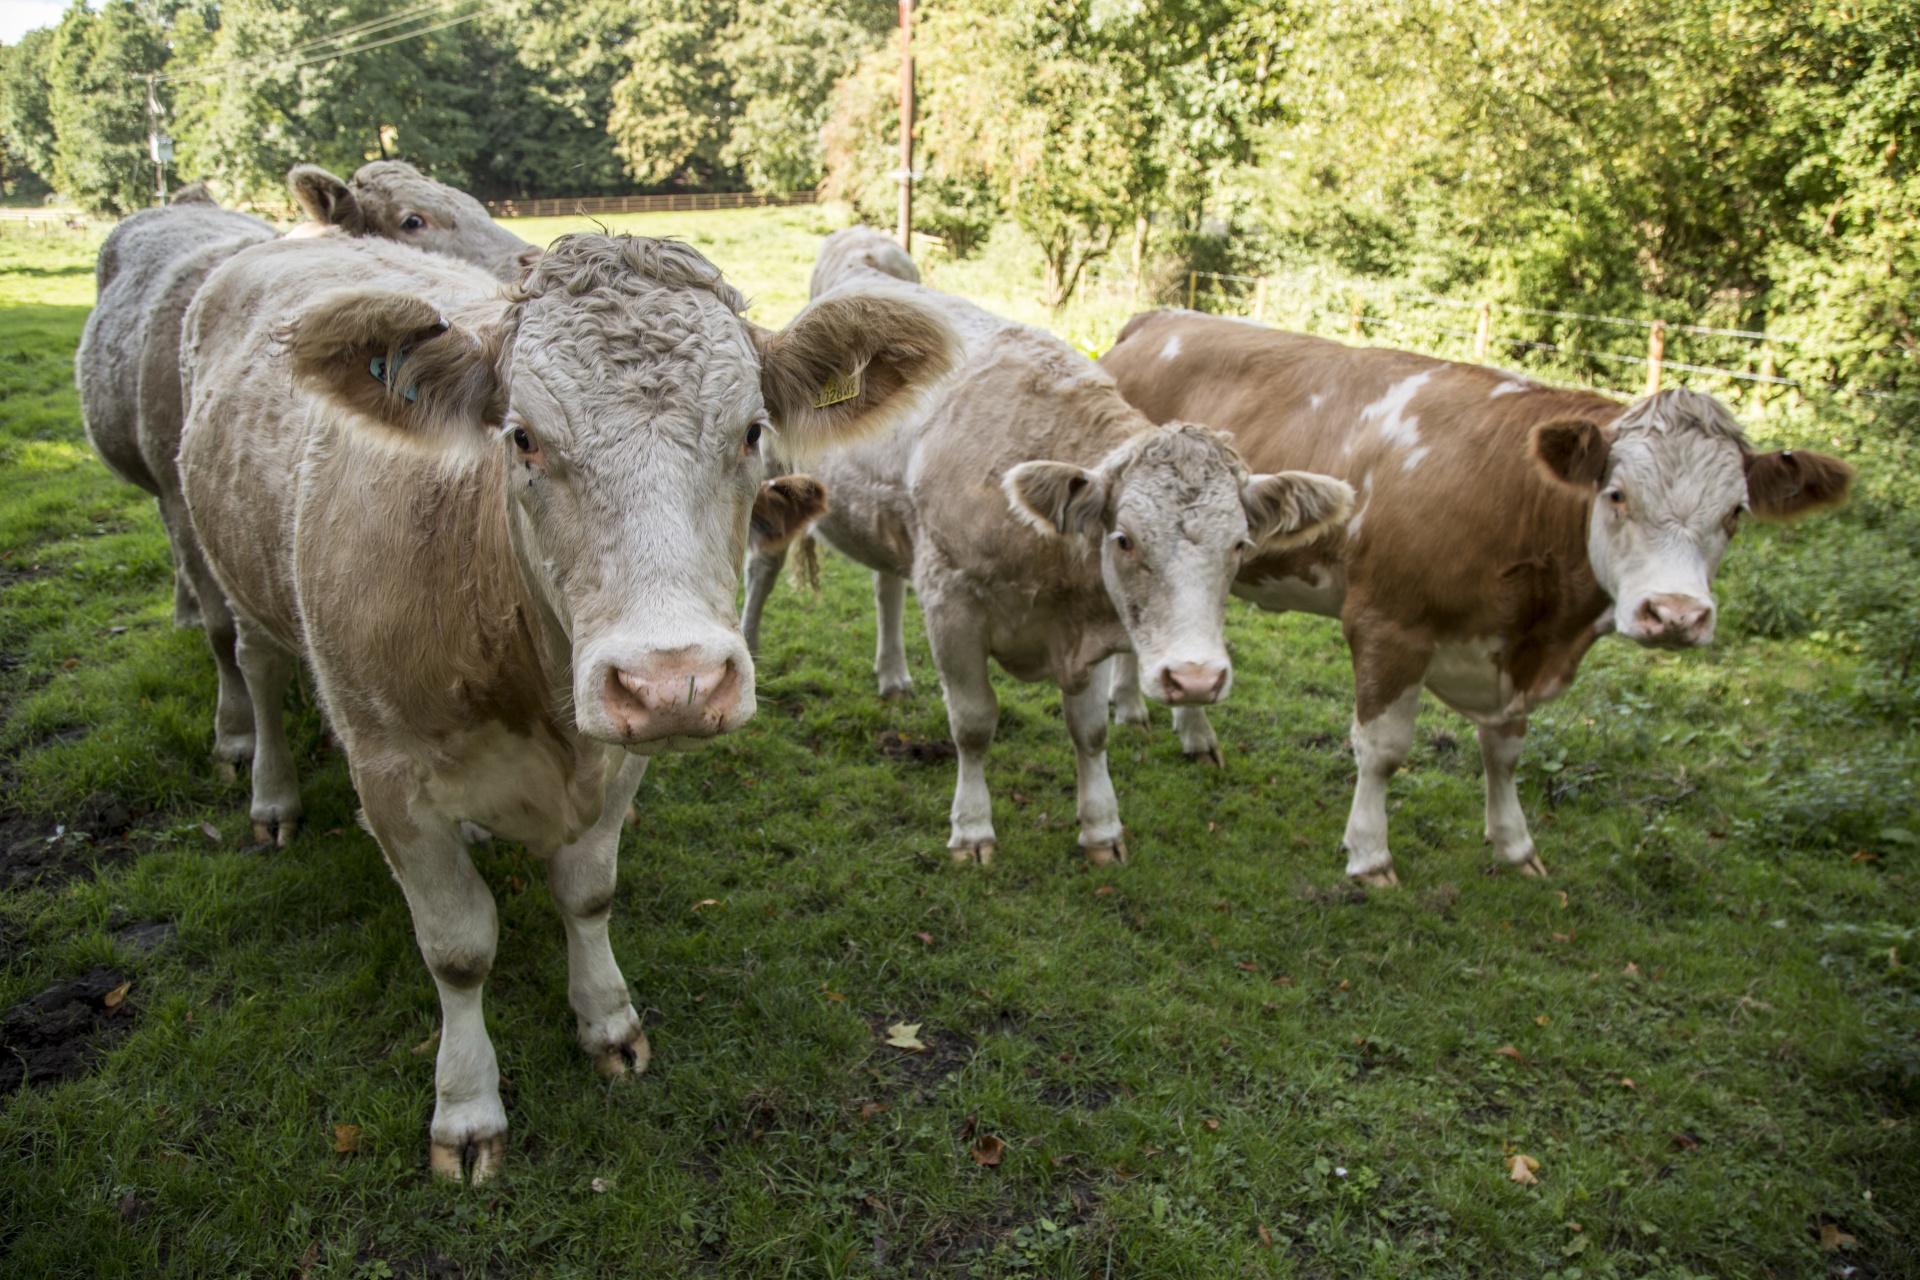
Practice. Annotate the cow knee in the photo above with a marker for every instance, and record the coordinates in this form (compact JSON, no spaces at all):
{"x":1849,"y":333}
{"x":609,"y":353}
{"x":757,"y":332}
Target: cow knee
{"x":460,"y":968}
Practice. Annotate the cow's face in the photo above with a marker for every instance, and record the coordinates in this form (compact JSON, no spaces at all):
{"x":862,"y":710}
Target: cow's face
{"x":630,"y":404}
{"x":1173,"y":513}
{"x":392,"y":200}
{"x":1670,"y":479}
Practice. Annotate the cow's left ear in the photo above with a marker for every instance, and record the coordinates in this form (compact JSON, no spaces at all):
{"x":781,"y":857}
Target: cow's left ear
{"x":783,"y":509}
{"x":326,"y":199}
{"x":848,"y":366}
{"x":1057,"y":499}
{"x":1293,"y":508}
{"x":1793,"y":482}
{"x":1573,"y":450}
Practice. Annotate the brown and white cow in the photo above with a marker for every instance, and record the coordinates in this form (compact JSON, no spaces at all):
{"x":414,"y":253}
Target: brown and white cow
{"x":128,"y":363}
{"x":1046,"y":525}
{"x":1501,"y":527}
{"x":504,"y":529}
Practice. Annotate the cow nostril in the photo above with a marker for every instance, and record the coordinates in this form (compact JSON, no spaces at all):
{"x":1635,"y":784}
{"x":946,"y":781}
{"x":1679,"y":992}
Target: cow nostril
{"x":1193,"y":682}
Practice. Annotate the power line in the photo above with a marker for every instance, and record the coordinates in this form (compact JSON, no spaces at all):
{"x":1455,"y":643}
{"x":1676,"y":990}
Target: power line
{"x":351,"y":38}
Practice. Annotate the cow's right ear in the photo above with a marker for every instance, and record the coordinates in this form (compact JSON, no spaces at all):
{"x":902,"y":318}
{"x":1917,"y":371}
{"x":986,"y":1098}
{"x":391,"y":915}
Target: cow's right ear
{"x":328,"y":200}
{"x":395,"y":361}
{"x":1057,"y":499}
{"x":1573,"y":450}
{"x":783,"y":509}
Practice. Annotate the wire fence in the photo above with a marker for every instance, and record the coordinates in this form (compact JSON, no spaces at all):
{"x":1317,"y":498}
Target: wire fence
{"x":671,"y":202}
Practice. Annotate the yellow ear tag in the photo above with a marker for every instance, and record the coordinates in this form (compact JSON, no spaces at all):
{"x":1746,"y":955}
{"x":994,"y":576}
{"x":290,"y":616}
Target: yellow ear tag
{"x":840,"y":386}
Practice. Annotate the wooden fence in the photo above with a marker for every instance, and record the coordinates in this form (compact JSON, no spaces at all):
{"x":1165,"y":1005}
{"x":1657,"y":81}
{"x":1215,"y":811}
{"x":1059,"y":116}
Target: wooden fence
{"x":672,"y":202}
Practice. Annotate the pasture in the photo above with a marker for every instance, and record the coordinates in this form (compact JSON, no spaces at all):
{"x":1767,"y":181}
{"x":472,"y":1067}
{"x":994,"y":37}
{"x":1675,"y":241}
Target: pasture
{"x":1221,"y":1059}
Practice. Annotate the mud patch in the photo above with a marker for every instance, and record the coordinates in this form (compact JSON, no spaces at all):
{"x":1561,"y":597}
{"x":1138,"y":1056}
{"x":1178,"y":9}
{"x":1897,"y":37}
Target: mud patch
{"x":907,"y":1076}
{"x":56,"y":1035}
{"x":1346,"y":893}
{"x":898,"y":746}
{"x":42,"y":850}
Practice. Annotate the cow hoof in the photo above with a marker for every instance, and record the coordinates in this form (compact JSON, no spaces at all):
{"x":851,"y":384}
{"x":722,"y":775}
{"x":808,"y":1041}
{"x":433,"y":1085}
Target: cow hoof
{"x":616,"y":1062}
{"x":473,"y":1162}
{"x":981,"y":853}
{"x":896,"y":692}
{"x":1210,"y":755}
{"x":1532,"y":866}
{"x":1132,"y":715}
{"x":1383,"y":879}
{"x":279,"y":834}
{"x":1105,"y":855}
{"x":226,"y":770}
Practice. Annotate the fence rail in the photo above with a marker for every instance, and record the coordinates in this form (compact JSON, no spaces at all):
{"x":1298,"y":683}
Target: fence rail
{"x":671,"y":202}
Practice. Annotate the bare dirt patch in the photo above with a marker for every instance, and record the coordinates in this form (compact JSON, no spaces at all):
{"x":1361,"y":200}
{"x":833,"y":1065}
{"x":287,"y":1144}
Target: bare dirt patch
{"x":55,"y":1035}
{"x":898,"y":746}
{"x":43,"y":850}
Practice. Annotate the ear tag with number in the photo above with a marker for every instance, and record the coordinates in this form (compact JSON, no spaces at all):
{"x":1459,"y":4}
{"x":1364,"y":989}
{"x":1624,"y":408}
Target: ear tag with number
{"x":378,"y":368}
{"x":840,"y":387}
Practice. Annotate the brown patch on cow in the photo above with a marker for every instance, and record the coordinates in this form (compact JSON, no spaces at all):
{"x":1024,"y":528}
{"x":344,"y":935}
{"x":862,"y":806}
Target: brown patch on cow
{"x":1795,"y":482}
{"x":783,"y":509}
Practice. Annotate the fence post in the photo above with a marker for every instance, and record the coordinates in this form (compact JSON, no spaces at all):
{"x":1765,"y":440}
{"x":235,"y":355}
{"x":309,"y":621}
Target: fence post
{"x":1762,"y":387}
{"x":1485,"y":331}
{"x":1353,"y":325}
{"x":1193,"y":284}
{"x":1656,"y":352}
{"x":1260,"y":299}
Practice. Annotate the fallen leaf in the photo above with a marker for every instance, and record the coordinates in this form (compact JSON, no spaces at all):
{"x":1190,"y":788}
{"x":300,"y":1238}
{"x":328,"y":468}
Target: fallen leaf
{"x":1864,"y":856}
{"x":1283,"y":981}
{"x":708,"y":902}
{"x":1213,"y":1126}
{"x":1521,"y":1170}
{"x":1632,"y":970}
{"x":906,"y":1035}
{"x":987,"y":1150}
{"x":307,"y":1259}
{"x":1562,"y":893}
{"x":1562,"y":937}
{"x":1542,"y":1020}
{"x":868,"y":1110}
{"x":1685,"y":1142}
{"x":1060,"y":1161}
{"x":831,"y":995}
{"x":1833,"y":1238}
{"x":1508,"y":1051}
{"x":346,"y":1138}
{"x":1343,"y":985}
{"x":1574,"y":1226}
{"x":210,"y":831}
{"x":70,"y":664}
{"x":427,"y":1045}
{"x":1150,"y":1152}
{"x":1103,"y":891}
{"x":1066,"y":1057}
{"x":112,"y":999}
{"x":1209,"y":825}
{"x":600,"y":1186}
{"x":1627,"y":1081}
{"x":514,"y":885}
{"x":1266,"y":1241}
{"x":927,"y":938}
{"x":1248,"y":966}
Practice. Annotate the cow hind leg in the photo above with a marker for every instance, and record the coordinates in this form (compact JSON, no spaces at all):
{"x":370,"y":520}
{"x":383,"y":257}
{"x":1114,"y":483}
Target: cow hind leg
{"x":973,"y":713}
{"x":1129,"y":707}
{"x":455,"y":925}
{"x":1506,"y":821}
{"x":763,"y":574}
{"x":890,"y":650}
{"x":1102,"y":838}
{"x":1380,"y":747}
{"x":581,"y":878}
{"x":269,"y":670}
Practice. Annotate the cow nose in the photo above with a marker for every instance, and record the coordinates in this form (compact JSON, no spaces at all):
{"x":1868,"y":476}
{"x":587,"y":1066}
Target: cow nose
{"x":1194,"y":682}
{"x":1675,"y":620}
{"x":672,"y":697}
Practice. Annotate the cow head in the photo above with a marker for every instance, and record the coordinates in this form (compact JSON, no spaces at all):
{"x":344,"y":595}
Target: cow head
{"x":1669,"y":479}
{"x":393,"y":200}
{"x":625,"y":405}
{"x":1174,"y":513}
{"x":853,"y":251}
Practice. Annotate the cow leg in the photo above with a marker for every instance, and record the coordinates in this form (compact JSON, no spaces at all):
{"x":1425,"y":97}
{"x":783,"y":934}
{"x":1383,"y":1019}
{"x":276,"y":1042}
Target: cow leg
{"x":454,"y":923}
{"x":1128,"y":706}
{"x":763,"y":574}
{"x":1380,"y":747}
{"x":890,"y":652}
{"x":1500,"y":746}
{"x":269,"y":669}
{"x":973,"y":713}
{"x":1101,"y":836}
{"x":1196,"y":736}
{"x":581,"y":876}
{"x":179,"y":526}
{"x":233,"y":709}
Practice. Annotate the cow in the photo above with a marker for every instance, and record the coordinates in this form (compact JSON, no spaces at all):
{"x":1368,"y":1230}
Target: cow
{"x":127,"y":367}
{"x":1503,"y":526}
{"x":504,"y":529}
{"x":1046,"y":525}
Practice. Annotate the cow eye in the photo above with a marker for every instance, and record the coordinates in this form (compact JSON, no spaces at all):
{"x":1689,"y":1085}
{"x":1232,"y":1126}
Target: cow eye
{"x":1615,"y":498}
{"x":412,"y":222}
{"x":1122,"y":541}
{"x":522,"y":441}
{"x":753,"y":436}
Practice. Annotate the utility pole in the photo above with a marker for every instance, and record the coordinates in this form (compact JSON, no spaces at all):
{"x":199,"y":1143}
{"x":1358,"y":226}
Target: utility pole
{"x":159,"y":145}
{"x":905,"y":173}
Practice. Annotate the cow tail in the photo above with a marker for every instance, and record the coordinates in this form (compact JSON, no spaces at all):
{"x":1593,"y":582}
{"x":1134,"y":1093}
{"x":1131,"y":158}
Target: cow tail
{"x":806,"y":565}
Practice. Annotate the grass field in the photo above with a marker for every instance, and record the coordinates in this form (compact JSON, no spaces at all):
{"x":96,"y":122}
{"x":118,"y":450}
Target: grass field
{"x":1219,"y":1060}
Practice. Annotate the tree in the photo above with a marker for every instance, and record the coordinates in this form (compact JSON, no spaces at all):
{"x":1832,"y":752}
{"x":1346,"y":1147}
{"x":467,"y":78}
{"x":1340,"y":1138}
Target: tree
{"x":26,"y":119}
{"x":98,"y":110}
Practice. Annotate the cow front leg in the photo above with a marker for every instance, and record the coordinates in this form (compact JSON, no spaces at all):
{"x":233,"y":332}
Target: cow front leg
{"x":179,"y":527}
{"x":1129,"y":707}
{"x":269,"y":670}
{"x":1507,"y":832}
{"x":1197,"y":741}
{"x":890,"y":648}
{"x":454,"y":923}
{"x":233,"y":708}
{"x":763,"y":574}
{"x":1380,"y":747}
{"x":1102,"y":838}
{"x":973,"y":713}
{"x":581,"y":877}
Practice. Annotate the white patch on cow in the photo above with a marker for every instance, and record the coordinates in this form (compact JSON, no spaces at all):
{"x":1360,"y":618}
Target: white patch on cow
{"x":1366,"y":500}
{"x":1468,"y":678}
{"x":1510,"y":386}
{"x":1414,"y":459}
{"x":1317,"y":399}
{"x":1397,"y":426}
{"x":1323,"y":591}
{"x":1172,"y":349}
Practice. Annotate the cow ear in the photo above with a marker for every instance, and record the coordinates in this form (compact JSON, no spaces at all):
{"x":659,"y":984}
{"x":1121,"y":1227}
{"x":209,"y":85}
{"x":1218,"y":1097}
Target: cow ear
{"x":850,"y":365}
{"x":1293,"y":508}
{"x":327,"y":199}
{"x":1057,"y":499}
{"x":1573,"y":450}
{"x":394,"y":360}
{"x":783,"y":509}
{"x":1793,"y":482}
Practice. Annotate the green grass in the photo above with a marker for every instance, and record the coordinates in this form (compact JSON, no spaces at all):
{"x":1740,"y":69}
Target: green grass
{"x":1218,"y":1040}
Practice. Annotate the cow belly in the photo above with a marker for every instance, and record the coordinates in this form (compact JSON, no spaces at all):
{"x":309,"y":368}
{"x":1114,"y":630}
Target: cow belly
{"x":1468,"y":678}
{"x":1323,"y":591}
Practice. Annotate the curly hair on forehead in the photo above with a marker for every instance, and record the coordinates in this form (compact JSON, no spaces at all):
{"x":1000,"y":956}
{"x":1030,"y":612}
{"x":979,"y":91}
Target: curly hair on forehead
{"x":585,"y":263}
{"x":1678,"y":409}
{"x":1191,"y":450}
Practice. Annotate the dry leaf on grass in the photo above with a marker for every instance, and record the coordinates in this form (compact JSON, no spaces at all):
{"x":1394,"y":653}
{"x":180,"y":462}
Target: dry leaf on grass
{"x":1521,"y":1170}
{"x":112,"y":999}
{"x":346,"y":1138}
{"x":1266,"y":1241}
{"x":1632,"y":970}
{"x":210,"y":831}
{"x":1103,"y":891}
{"x":1627,"y":1082}
{"x":601,"y":1185}
{"x":906,"y":1035}
{"x":987,"y":1150}
{"x":1213,"y":1126}
{"x":707,"y":902}
{"x":1542,"y":1020}
{"x":831,"y":995}
{"x":429,"y":1044}
{"x":868,"y":1110}
{"x":1508,"y":1051}
{"x":926,"y":938}
{"x":1833,"y":1238}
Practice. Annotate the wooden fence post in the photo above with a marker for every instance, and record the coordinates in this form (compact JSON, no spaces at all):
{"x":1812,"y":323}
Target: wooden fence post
{"x":1485,"y":331}
{"x":1260,"y":299}
{"x":1656,"y":352}
{"x":1353,"y":325}
{"x":1193,"y":285}
{"x":1764,"y":386}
